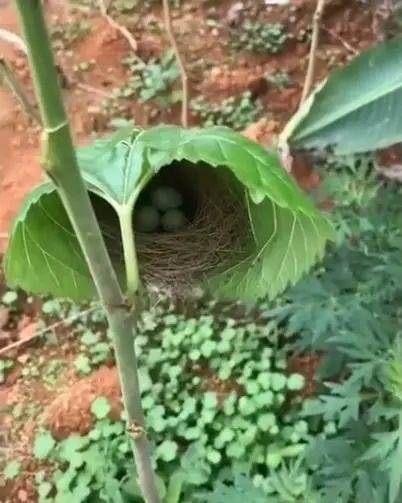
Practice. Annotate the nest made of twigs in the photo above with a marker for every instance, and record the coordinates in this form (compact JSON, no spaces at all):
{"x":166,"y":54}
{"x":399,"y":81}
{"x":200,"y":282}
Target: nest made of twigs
{"x":176,"y":261}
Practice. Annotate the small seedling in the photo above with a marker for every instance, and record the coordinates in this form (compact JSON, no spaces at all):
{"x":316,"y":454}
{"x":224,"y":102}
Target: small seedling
{"x":52,"y":372}
{"x":12,"y":470}
{"x":153,"y":79}
{"x":64,"y":35}
{"x":5,"y":365}
{"x":94,"y":351}
{"x":279,"y":79}
{"x":235,"y":112}
{"x":260,"y":38}
{"x":54,"y":308}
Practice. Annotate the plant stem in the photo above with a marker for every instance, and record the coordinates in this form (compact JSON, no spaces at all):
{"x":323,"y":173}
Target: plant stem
{"x":180,"y":62}
{"x":130,"y":255}
{"x":308,"y":83}
{"x":61,"y":166}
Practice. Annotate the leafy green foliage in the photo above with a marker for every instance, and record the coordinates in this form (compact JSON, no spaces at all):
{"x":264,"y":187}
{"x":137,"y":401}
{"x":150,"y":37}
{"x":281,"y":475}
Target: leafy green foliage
{"x":226,"y":403}
{"x":237,"y":491}
{"x":12,"y":470}
{"x":100,"y":407}
{"x":261,"y":38}
{"x":217,"y":397}
{"x":279,"y":79}
{"x":95,"y":349}
{"x":64,"y":34}
{"x":153,"y":79}
{"x":234,"y":112}
{"x":352,"y":101}
{"x":126,"y":6}
{"x":286,"y":234}
{"x":89,"y":466}
{"x":348,"y":311}
{"x":43,"y":445}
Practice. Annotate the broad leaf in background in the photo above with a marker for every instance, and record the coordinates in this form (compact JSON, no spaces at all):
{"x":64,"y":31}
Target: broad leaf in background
{"x":358,"y":109}
{"x":286,"y":236}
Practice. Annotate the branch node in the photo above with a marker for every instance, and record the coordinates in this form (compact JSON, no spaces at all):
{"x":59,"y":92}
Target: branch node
{"x":135,"y":430}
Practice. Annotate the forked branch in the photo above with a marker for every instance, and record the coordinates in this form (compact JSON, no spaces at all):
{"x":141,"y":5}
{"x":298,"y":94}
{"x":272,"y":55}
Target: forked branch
{"x":118,"y":27}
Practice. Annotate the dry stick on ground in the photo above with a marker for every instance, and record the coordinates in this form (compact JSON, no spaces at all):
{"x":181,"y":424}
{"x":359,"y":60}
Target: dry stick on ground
{"x":344,"y":42}
{"x":114,"y":24}
{"x":92,"y":90}
{"x":45,"y":330}
{"x":180,"y":62}
{"x":308,"y":83}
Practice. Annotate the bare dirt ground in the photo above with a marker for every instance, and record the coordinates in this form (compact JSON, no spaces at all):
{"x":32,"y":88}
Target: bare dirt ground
{"x":348,"y":29}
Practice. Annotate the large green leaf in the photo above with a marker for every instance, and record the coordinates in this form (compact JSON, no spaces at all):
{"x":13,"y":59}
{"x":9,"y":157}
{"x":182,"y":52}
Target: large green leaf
{"x":113,"y":167}
{"x":358,"y":109}
{"x":257,"y":169}
{"x":286,"y":234}
{"x":44,"y":255}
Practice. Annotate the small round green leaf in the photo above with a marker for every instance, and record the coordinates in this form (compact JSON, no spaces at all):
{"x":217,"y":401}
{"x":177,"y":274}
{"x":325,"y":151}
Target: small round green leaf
{"x":167,"y":450}
{"x":100,"y":407}
{"x":278,"y":381}
{"x":295,"y":382}
{"x":12,"y":470}
{"x":43,"y":445}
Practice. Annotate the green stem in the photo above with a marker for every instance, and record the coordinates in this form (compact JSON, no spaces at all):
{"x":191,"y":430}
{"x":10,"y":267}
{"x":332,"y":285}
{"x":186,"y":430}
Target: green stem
{"x":61,"y":165}
{"x":130,"y":255}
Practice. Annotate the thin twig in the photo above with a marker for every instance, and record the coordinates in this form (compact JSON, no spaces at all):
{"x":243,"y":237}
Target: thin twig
{"x":43,"y":331}
{"x":344,"y":42}
{"x":92,"y":90}
{"x":18,"y":91}
{"x":308,"y":83}
{"x":180,"y":62}
{"x":14,"y":39}
{"x":118,"y":27}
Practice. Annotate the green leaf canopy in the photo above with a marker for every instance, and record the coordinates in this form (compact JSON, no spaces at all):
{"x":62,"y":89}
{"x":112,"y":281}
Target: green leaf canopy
{"x":359,"y":108}
{"x":286,"y":233}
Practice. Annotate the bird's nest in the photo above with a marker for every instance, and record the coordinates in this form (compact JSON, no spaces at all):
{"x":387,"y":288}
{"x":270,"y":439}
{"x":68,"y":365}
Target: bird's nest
{"x":217,"y":220}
